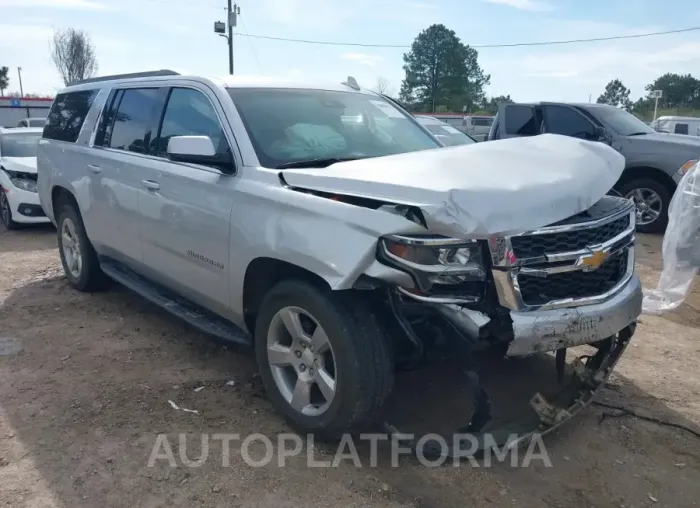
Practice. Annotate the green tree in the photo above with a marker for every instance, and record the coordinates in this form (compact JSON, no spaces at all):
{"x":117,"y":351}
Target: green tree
{"x":491,"y":105}
{"x":441,"y":71}
{"x":678,"y":91}
{"x":4,"y":79}
{"x":616,"y":94}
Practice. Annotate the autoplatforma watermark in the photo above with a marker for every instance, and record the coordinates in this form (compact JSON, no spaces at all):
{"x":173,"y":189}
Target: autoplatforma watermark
{"x":431,"y":450}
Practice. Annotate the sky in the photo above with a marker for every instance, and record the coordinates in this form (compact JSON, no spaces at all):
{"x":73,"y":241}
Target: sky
{"x":138,"y":35}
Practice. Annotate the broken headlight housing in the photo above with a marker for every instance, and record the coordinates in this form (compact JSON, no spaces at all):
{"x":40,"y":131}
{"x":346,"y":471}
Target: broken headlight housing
{"x":439,"y":266}
{"x":22,"y":181}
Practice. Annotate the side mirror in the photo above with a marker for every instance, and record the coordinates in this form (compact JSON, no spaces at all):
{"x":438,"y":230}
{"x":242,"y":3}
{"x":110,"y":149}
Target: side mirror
{"x":198,"y":150}
{"x":602,"y":135}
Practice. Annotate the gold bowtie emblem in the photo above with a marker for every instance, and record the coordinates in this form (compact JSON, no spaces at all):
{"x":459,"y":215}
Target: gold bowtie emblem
{"x":595,"y":260}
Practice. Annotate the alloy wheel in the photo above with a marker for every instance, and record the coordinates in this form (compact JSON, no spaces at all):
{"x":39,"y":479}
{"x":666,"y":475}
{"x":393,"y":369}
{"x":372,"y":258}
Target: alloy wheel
{"x":301,"y":361}
{"x":70,"y":245}
{"x":648,"y":203}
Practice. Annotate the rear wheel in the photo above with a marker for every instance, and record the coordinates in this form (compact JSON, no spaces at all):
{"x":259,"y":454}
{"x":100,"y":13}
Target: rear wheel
{"x":323,"y":360}
{"x":652,"y":200}
{"x":79,"y":260}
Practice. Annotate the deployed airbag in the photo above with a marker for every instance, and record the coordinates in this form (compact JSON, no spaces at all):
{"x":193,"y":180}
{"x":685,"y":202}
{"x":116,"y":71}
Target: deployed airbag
{"x":475,"y":191}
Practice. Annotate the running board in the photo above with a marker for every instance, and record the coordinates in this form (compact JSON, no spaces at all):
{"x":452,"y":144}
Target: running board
{"x":196,"y":316}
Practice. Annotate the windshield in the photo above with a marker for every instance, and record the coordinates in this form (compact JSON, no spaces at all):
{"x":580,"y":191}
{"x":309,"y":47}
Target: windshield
{"x":290,"y":125}
{"x":455,"y":136}
{"x":19,"y":145}
{"x":622,"y":122}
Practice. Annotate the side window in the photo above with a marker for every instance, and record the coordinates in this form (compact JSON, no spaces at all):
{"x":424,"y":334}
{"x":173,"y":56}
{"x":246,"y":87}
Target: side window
{"x":681,"y":128}
{"x":189,"y":112}
{"x":520,"y":121}
{"x":67,"y":115}
{"x":567,"y":121}
{"x":132,"y":119}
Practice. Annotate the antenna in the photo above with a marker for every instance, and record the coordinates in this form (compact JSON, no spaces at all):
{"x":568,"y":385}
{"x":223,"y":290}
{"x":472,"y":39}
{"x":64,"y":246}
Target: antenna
{"x":352,"y":83}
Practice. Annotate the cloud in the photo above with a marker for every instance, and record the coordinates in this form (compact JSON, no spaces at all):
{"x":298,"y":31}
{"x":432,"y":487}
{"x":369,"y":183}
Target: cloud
{"x":363,"y":58}
{"x":523,"y":5}
{"x":58,"y":4}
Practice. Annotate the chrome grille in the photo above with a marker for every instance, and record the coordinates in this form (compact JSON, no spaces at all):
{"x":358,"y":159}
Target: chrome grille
{"x":580,"y":262}
{"x":579,"y":284}
{"x":537,"y":245}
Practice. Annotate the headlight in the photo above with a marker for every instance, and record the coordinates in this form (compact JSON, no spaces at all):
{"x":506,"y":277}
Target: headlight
{"x":24,"y":184}
{"x":435,"y":260}
{"x":687,"y":166}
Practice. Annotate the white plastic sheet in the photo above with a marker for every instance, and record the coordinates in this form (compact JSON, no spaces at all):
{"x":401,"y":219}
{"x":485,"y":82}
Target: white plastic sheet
{"x":681,"y":248}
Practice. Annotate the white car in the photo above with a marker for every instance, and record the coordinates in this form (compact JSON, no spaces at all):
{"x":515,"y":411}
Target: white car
{"x":19,"y":201}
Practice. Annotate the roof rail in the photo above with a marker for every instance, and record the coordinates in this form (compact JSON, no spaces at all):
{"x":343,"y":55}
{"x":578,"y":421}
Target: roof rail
{"x":146,"y":74}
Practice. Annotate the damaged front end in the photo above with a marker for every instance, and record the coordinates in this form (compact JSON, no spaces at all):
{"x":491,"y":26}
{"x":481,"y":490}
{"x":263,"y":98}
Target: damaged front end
{"x":558,"y":287}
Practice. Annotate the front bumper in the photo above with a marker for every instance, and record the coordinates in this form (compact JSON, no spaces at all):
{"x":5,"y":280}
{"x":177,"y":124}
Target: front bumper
{"x":24,"y":205}
{"x":549,"y":330}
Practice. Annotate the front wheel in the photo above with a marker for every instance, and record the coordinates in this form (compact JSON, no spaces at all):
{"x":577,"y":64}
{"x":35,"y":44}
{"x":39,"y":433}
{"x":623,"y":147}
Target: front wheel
{"x":323,"y":360}
{"x":6,"y":212}
{"x":652,"y":200}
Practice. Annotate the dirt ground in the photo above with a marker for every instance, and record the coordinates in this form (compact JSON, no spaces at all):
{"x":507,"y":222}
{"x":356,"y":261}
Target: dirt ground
{"x":86,"y":379}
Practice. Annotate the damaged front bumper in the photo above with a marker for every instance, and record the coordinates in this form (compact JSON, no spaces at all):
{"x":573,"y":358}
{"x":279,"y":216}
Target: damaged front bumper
{"x":549,"y":330}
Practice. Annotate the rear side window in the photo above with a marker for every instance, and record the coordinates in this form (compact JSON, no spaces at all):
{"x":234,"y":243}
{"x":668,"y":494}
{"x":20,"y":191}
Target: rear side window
{"x":67,"y":115}
{"x":681,"y":128}
{"x":132,"y":120}
{"x":520,"y":121}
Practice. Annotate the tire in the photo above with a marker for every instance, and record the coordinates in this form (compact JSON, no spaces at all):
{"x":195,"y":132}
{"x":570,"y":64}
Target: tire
{"x":363,"y":365}
{"x":6,"y":213}
{"x":658,"y":225}
{"x":88,"y":276}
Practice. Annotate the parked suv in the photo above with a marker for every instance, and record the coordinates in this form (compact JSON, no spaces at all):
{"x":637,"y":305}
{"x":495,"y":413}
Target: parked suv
{"x":324,"y":226}
{"x":655,"y":162}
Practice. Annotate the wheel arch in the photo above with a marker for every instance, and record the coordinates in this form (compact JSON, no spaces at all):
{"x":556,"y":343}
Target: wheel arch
{"x":262,"y":274}
{"x":59,"y":196}
{"x":639,"y":172}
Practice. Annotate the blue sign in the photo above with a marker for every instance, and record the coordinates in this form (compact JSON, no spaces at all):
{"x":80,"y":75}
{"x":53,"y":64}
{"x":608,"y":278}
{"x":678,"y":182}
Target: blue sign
{"x":14,"y":103}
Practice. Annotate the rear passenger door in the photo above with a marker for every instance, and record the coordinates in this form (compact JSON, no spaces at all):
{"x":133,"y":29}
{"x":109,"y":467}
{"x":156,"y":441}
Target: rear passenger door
{"x":116,"y":170}
{"x":186,"y":214}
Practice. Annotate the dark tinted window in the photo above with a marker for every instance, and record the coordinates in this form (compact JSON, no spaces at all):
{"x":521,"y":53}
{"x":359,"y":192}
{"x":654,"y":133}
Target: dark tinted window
{"x":520,"y":121}
{"x":681,"y":128}
{"x":190,"y":113}
{"x":67,"y":115}
{"x":568,"y":122}
{"x":132,"y":119}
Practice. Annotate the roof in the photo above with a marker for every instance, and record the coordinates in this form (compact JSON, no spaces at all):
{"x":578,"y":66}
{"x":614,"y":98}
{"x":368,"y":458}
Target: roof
{"x":21,"y":130}
{"x":225,"y":81}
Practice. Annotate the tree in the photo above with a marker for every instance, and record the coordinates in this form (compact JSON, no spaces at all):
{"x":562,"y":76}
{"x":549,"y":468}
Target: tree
{"x":441,"y":71}
{"x":382,"y":86}
{"x":4,"y":80}
{"x":616,"y":94}
{"x":74,"y":55}
{"x":491,"y":106}
{"x":678,"y":91}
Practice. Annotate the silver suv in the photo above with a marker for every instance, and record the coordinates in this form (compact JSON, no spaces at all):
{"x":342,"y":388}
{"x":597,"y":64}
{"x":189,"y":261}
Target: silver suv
{"x":325,"y":227}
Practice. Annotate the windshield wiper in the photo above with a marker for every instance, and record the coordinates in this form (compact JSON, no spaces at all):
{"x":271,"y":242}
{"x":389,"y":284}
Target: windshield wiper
{"x":315,"y":163}
{"x":640,"y":133}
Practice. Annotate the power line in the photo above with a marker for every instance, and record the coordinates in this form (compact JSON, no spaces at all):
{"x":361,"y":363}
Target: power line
{"x":479,"y":46}
{"x":255,"y":53}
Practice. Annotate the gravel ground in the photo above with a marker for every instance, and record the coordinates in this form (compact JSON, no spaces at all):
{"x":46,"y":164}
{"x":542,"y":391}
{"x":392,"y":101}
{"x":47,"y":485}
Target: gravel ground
{"x":86,"y":379}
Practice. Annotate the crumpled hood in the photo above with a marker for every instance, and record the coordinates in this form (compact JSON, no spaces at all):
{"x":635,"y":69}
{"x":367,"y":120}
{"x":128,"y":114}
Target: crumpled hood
{"x":475,"y":191}
{"x":21,"y":164}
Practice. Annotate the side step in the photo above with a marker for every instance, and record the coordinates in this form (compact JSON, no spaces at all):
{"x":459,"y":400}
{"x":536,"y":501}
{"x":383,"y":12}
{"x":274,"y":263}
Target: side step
{"x":198,"y":317}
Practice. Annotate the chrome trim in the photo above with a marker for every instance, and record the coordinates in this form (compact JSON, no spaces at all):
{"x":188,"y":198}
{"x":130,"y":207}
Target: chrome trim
{"x":439,"y":299}
{"x":503,"y":256}
{"x":429,"y":241}
{"x":507,"y":267}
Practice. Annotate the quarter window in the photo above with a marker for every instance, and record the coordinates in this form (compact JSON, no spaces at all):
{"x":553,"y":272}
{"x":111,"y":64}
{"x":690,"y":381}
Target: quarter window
{"x":131,"y":122}
{"x":190,"y":113}
{"x":67,"y":115}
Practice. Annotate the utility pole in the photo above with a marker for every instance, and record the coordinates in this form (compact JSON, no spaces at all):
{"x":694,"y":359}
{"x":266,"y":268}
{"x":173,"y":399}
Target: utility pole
{"x":21,"y":90}
{"x":220,"y":28}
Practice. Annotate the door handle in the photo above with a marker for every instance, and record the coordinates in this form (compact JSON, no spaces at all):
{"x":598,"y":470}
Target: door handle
{"x":94,"y":169}
{"x":150,"y":185}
